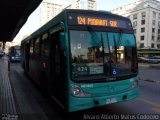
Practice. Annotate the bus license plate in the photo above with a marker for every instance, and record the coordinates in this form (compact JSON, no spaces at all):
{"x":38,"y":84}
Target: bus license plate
{"x":111,"y":100}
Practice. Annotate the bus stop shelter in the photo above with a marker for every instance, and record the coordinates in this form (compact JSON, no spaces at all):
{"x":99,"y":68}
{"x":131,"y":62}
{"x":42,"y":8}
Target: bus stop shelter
{"x":14,"y":14}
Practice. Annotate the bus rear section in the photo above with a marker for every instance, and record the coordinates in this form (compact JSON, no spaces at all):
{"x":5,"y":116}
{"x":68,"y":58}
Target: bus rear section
{"x":103,"y":61}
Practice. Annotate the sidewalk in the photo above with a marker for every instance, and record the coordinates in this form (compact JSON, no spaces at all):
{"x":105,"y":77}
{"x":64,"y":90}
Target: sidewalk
{"x":8,"y":106}
{"x":20,"y":98}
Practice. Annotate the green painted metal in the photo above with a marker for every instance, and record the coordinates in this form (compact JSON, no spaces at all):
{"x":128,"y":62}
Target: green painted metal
{"x":102,"y":92}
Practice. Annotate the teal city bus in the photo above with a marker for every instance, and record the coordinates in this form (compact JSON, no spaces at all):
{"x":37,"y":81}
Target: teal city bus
{"x":83,"y":59}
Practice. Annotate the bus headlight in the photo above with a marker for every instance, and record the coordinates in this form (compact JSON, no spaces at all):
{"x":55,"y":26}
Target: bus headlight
{"x":75,"y":90}
{"x":134,"y":85}
{"x":78,"y":92}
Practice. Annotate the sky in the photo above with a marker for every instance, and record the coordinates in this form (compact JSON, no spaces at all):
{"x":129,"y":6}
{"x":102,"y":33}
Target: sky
{"x":32,"y":25}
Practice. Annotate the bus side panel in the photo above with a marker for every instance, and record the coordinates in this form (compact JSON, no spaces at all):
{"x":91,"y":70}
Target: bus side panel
{"x":26,"y":57}
{"x":33,"y":70}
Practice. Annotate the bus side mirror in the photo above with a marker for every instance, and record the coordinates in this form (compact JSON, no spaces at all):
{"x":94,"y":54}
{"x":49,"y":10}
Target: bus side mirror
{"x":62,"y":25}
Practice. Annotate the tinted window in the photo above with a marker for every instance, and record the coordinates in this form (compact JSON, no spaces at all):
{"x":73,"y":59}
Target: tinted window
{"x":45,"y":48}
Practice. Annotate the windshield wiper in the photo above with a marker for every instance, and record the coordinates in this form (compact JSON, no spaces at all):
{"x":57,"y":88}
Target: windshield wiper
{"x":115,"y":44}
{"x":102,"y":47}
{"x":99,"y":40}
{"x":94,"y":35}
{"x":120,"y":38}
{"x":96,"y":38}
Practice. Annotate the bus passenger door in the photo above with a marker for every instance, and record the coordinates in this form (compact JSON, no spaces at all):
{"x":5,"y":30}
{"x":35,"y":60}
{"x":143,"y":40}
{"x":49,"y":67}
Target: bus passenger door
{"x":44,"y":64}
{"x":58,"y":69}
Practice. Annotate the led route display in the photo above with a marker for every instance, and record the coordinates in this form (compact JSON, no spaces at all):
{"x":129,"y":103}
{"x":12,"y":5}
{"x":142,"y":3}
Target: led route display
{"x":101,"y":21}
{"x":96,"y":21}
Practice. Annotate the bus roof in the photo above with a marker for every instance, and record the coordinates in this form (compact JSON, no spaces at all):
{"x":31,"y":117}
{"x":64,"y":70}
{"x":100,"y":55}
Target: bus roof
{"x":94,"y":12}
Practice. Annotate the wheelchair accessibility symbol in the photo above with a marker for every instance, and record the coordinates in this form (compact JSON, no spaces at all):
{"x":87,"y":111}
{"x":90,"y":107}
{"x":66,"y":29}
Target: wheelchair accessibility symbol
{"x":114,"y":72}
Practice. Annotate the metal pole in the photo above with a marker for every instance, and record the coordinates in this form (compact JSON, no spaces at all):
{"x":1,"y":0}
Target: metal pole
{"x":4,"y":44}
{"x":8,"y":65}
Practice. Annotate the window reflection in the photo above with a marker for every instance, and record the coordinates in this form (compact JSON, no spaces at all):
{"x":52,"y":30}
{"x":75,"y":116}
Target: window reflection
{"x":101,"y":53}
{"x":122,"y":49}
{"x":84,"y":49}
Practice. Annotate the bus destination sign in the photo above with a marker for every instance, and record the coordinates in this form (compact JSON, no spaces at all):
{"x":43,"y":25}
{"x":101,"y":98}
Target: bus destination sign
{"x":96,"y":21}
{"x":99,"y":21}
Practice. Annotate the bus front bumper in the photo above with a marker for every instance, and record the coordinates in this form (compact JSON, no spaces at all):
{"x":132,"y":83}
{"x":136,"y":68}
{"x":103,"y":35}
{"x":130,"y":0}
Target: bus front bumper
{"x":76,"y":104}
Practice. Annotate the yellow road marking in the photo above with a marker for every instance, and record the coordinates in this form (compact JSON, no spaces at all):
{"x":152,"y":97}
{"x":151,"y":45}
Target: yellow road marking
{"x":149,"y":102}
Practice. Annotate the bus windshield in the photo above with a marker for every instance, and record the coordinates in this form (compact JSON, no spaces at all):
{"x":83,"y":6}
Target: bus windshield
{"x":98,"y":54}
{"x":15,"y":51}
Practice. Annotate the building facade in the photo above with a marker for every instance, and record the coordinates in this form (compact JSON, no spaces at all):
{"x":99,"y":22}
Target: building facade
{"x":48,"y":10}
{"x":84,"y":4}
{"x":145,"y":18}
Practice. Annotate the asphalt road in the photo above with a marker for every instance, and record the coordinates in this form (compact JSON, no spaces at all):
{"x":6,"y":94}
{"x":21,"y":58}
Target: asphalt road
{"x":147,"y":73}
{"x":35,"y":106}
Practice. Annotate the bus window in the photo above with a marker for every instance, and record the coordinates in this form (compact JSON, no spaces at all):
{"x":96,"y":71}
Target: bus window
{"x":57,"y":60}
{"x":45,"y":48}
{"x":31,"y":48}
{"x":87,"y":53}
{"x":36,"y":48}
{"x":122,"y":52}
{"x":98,"y":53}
